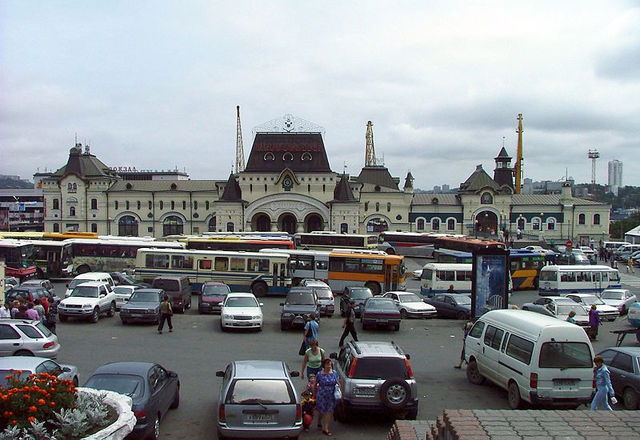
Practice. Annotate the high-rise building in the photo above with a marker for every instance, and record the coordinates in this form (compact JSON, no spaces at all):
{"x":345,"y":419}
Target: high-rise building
{"x":615,"y":176}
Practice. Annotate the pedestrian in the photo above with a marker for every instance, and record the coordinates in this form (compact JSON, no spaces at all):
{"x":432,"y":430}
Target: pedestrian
{"x":22,"y":312}
{"x":603,"y":386}
{"x":506,"y":235}
{"x":15,"y":308}
{"x":349,"y":323}
{"x":326,"y":383}
{"x":166,"y":312}
{"x":612,"y":260}
{"x":451,"y":289}
{"x":312,"y":360}
{"x":52,"y":317}
{"x":630,"y":265}
{"x":31,"y":312}
{"x":38,"y":307}
{"x":467,"y":329}
{"x":518,"y":234}
{"x":594,"y":322}
{"x":571,"y":318}
{"x":45,"y":303}
{"x":311,"y":330}
{"x":5,"y":312}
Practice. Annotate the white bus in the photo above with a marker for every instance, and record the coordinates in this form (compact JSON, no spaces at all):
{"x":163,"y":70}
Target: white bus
{"x":412,"y":244}
{"x":560,"y":280}
{"x":305,"y":264}
{"x":261,"y":273}
{"x":327,"y":240}
{"x":438,"y":277}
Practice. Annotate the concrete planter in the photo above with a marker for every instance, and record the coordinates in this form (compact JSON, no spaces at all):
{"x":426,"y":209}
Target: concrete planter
{"x":126,"y":419}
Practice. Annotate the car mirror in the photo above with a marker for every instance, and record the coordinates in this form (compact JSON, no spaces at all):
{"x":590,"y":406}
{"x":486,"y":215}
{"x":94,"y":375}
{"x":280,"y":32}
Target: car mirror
{"x":220,"y":373}
{"x":333,"y":355}
{"x":67,"y":285}
{"x":172,"y":374}
{"x":408,"y":356}
{"x":102,"y":294}
{"x":281,"y":304}
{"x":294,"y":373}
{"x":261,"y":304}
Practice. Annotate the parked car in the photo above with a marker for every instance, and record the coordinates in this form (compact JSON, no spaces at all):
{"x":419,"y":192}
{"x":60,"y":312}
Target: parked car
{"x":325,"y":296}
{"x":358,"y":294}
{"x":212,"y":295}
{"x":179,"y":290}
{"x":123,"y":279}
{"x":451,"y":305}
{"x":144,"y":306}
{"x":24,"y":337}
{"x":297,"y":308}
{"x":88,"y":300}
{"x":605,"y":311}
{"x":417,"y":274}
{"x":241,"y":310}
{"x":380,"y":312}
{"x":535,"y":248}
{"x":36,"y":365}
{"x":28,"y":293}
{"x":411,"y":305}
{"x":123,"y":293}
{"x":258,"y":399}
{"x":559,"y":307}
{"x":375,"y":376}
{"x":10,"y":283}
{"x":153,"y":389}
{"x":624,"y":368}
{"x":90,"y":276}
{"x":619,"y":298}
{"x":45,"y":284}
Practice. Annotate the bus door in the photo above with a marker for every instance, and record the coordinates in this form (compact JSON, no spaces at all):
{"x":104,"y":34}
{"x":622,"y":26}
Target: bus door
{"x":395,"y":275}
{"x":203,"y":271}
{"x":388,"y":277}
{"x":275,"y":271}
{"x":54,"y":265}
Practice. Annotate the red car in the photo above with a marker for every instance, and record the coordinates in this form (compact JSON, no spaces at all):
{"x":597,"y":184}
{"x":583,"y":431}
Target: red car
{"x":212,"y":296}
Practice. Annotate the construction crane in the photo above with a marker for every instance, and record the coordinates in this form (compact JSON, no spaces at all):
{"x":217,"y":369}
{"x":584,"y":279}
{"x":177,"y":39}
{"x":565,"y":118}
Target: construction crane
{"x":370,"y":154}
{"x":519,"y":158}
{"x":239,"y":145}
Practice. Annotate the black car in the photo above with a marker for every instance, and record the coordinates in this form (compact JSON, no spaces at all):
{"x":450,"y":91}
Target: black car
{"x":624,"y":368}
{"x":380,"y":312}
{"x":152,"y":388}
{"x":451,"y":305}
{"x":301,"y":302}
{"x":121,"y":278}
{"x":28,"y":293}
{"x":356,"y":293}
{"x":143,"y":305}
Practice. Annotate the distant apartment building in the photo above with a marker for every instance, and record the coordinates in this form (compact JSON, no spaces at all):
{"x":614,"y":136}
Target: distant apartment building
{"x":615,"y":176}
{"x":544,"y":186}
{"x":22,"y":209}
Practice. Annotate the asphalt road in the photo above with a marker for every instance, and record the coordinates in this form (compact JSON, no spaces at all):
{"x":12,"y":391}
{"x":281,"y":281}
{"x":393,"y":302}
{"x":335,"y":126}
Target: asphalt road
{"x":197,"y":349}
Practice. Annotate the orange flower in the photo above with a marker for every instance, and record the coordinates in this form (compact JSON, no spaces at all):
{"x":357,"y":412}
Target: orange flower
{"x":52,"y":404}
{"x":31,"y":419}
{"x":26,"y":396}
{"x":41,"y":402}
{"x":33,"y":409}
{"x":14,"y":422}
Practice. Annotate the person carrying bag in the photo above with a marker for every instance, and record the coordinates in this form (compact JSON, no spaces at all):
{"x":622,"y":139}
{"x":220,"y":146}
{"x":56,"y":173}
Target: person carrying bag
{"x":166,"y":312}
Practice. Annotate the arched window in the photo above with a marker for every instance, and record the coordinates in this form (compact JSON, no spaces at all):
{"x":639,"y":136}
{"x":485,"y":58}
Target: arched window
{"x":287,"y":156}
{"x":306,"y":156}
{"x":94,"y":203}
{"x":138,"y":204}
{"x":435,"y":224}
{"x":212,"y":224}
{"x":596,"y":219}
{"x":269,"y":156}
{"x":420,"y":224}
{"x":377,"y":206}
{"x":72,"y":211}
{"x":344,"y":228}
{"x":127,"y":226}
{"x":366,"y":206}
{"x":172,"y":225}
{"x":195,"y":205}
{"x":56,"y":227}
{"x":535,"y":223}
{"x":115,"y":204}
{"x":551,"y":224}
{"x":230,"y":227}
{"x":206,"y":206}
{"x":161,"y":205}
{"x":581,"y":219}
{"x":486,"y":199}
{"x":184,"y":205}
{"x":451,"y":224}
{"x":56,"y":203}
{"x":388,"y":206}
{"x":150,"y":205}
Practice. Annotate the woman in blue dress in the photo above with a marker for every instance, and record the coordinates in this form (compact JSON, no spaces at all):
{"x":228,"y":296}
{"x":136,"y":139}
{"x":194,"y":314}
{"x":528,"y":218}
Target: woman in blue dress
{"x":326,"y":381}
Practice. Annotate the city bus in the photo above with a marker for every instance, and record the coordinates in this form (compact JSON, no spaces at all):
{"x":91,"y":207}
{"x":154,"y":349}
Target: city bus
{"x":259,"y":272}
{"x":22,"y":235}
{"x":111,"y":254}
{"x":327,"y":240}
{"x":305,"y":264}
{"x":561,"y":280}
{"x":236,"y":243}
{"x":412,"y":244}
{"x":18,"y":259}
{"x":466,"y":244}
{"x":438,"y":277}
{"x":450,"y":256}
{"x":52,"y":258}
{"x":380,"y":273}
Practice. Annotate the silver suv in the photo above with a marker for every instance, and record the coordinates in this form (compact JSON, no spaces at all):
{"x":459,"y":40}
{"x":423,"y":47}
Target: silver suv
{"x":23,"y":337}
{"x":375,"y":376}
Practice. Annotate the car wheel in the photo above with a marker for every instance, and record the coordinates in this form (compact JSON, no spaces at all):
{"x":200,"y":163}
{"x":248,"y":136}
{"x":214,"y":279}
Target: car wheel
{"x":515,"y":401}
{"x":341,"y":413}
{"x":222,"y":327}
{"x":630,"y":399}
{"x":176,"y":399}
{"x":461,"y":315}
{"x":403,"y":314}
{"x":63,"y":318}
{"x":75,"y":381}
{"x":473,"y":374}
{"x":23,"y":353}
{"x":259,"y":289}
{"x":95,"y":315}
{"x":155,"y":433}
{"x":112,"y":310}
{"x":395,"y":393}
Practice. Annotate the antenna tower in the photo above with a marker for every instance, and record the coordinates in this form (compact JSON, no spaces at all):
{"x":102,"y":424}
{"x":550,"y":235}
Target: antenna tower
{"x":370,"y":154}
{"x":593,"y":155}
{"x":519,"y":159}
{"x":239,"y":146}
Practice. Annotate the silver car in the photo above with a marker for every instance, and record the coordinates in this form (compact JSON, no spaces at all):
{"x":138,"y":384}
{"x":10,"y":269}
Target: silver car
{"x":258,"y":400}
{"x":36,"y":365}
{"x":326,"y":300}
{"x":123,"y":293}
{"x":24,"y":337}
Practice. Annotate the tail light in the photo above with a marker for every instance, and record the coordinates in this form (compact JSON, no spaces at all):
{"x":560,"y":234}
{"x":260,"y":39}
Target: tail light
{"x":298,"y":413}
{"x":409,"y":371}
{"x":141,"y":416}
{"x":223,"y":418}
{"x":48,"y":345}
{"x":352,"y":369}
{"x":533,"y":380}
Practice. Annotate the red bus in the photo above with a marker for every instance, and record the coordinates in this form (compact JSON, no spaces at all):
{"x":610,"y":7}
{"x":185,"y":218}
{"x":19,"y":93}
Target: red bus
{"x":18,"y":259}
{"x":466,"y":244}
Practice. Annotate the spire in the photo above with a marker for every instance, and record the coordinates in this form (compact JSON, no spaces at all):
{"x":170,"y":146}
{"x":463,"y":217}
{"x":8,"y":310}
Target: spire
{"x":239,"y":146}
{"x":408,"y":182}
{"x":370,"y":154}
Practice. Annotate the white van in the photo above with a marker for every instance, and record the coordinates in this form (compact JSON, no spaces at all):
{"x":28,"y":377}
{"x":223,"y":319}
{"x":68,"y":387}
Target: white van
{"x":438,"y":277}
{"x":536,"y":358}
{"x":90,"y":276}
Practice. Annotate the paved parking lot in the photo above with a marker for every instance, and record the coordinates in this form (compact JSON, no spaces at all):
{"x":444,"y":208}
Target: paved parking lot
{"x":197,"y":349}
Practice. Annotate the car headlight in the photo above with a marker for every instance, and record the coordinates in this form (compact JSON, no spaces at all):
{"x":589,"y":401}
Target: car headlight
{"x":256,"y":317}
{"x":225,"y":316}
{"x":87,"y":306}
{"x":286,"y":315}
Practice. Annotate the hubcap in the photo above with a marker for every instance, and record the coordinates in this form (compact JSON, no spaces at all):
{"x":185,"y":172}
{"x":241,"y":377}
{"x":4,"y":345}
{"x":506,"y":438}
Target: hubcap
{"x":396,"y":394}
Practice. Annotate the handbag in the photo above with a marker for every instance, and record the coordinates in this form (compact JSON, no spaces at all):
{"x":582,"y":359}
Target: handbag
{"x":303,"y":348}
{"x":337,"y":394}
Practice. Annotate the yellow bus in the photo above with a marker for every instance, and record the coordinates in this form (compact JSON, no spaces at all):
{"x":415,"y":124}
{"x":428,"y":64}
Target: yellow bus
{"x":380,"y":273}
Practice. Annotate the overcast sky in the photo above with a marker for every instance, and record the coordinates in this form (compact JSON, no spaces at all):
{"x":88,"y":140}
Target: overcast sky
{"x":155,"y":84}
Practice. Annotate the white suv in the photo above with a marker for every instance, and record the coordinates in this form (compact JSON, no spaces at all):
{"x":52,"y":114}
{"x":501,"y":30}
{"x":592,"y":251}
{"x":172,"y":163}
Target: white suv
{"x":87,"y":301}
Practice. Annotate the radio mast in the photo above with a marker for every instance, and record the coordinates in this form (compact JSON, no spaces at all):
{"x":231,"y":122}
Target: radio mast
{"x":593,"y":155}
{"x":370,"y":154}
{"x":239,"y":145}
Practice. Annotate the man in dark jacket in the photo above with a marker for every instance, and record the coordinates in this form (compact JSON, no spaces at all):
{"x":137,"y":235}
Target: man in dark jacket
{"x":349,"y":323}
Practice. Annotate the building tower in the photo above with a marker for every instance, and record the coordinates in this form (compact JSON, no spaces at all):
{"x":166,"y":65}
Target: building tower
{"x":593,"y":155}
{"x":519,"y":158}
{"x":370,"y":154}
{"x":503,"y":173}
{"x":239,"y":146}
{"x":615,"y":176}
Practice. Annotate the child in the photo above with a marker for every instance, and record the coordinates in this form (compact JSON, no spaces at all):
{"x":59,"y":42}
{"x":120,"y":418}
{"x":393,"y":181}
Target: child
{"x":308,"y":402}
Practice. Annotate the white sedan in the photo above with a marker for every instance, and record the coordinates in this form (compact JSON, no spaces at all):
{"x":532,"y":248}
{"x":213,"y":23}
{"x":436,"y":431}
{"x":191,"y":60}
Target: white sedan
{"x":36,"y":365}
{"x":620,"y":298}
{"x":241,"y":310}
{"x":411,"y":305}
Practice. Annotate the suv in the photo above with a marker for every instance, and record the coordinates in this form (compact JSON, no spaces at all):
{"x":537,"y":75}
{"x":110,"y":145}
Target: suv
{"x":359,"y":294}
{"x":324,"y":294}
{"x":178,"y":289}
{"x":375,"y":376}
{"x":23,"y":337}
{"x":301,"y":302}
{"x":87,"y":301}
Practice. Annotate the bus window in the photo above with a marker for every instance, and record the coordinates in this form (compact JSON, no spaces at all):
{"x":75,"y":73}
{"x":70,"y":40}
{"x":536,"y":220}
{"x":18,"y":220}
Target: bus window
{"x":157,"y":261}
{"x":446,"y":275}
{"x":222,"y":264}
{"x":352,"y":264}
{"x":182,"y":262}
{"x":204,"y":264}
{"x":237,"y":264}
{"x":371,"y":266}
{"x":257,"y":265}
{"x":322,"y":265}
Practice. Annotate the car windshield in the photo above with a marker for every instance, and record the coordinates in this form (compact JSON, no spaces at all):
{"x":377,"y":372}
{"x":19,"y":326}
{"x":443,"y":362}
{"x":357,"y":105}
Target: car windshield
{"x":300,"y":298}
{"x":324,"y":292}
{"x":564,"y":309}
{"x":127,"y":278}
{"x":120,"y":290}
{"x":409,"y":298}
{"x":565,"y":355}
{"x":611,"y":295}
{"x":127,"y":384}
{"x":241,"y":302}
{"x":260,"y":391}
{"x":380,"y":304}
{"x":74,"y":283}
{"x":380,"y":368}
{"x":43,"y":329}
{"x":462,"y":299}
{"x":361,"y":293}
{"x":215,"y":291}
{"x":591,"y":299}
{"x":85,"y":291}
{"x":144,"y":297}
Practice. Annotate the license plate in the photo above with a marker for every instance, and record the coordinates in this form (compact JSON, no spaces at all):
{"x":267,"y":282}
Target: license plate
{"x":381,"y":321}
{"x":564,"y":382}
{"x":260,"y":418}
{"x":137,"y":315}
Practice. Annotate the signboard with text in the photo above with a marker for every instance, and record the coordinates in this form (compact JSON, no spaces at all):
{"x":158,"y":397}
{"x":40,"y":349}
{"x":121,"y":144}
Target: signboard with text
{"x":490,"y":281}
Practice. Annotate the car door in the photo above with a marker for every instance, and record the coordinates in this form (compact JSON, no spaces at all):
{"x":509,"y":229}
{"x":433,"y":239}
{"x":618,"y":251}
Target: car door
{"x":50,"y":367}
{"x":491,"y":349}
{"x":161,"y":390}
{"x":102,"y":298}
{"x":449,"y":305}
{"x":621,"y":368}
{"x":10,"y":340}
